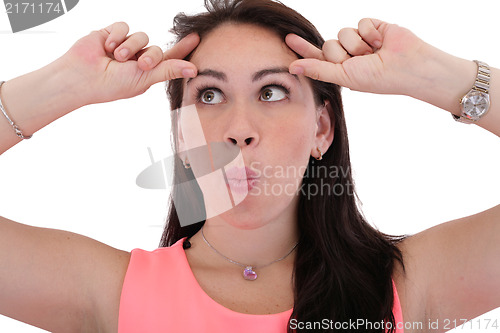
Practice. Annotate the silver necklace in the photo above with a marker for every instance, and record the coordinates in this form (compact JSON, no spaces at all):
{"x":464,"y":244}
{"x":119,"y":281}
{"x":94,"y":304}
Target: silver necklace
{"x":249,"y":271}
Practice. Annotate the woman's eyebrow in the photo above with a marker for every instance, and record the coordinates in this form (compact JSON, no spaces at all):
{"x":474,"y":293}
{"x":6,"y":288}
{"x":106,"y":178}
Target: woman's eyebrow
{"x":210,"y":72}
{"x":275,"y":70}
{"x":257,"y":76}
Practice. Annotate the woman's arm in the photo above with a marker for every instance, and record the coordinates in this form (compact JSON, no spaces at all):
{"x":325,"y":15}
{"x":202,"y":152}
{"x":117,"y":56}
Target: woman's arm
{"x":401,"y":64}
{"x":455,"y":266}
{"x":92,"y":71}
{"x":57,"y":280}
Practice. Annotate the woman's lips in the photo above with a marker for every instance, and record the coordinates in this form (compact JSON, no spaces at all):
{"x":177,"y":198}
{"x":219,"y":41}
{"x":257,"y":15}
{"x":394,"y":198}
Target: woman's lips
{"x":241,"y":173}
{"x":241,"y":180}
{"x":241,"y":186}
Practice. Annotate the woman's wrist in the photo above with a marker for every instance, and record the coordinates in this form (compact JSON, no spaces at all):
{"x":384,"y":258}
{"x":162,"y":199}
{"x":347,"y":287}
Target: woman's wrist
{"x":444,"y":79}
{"x":36,"y":99}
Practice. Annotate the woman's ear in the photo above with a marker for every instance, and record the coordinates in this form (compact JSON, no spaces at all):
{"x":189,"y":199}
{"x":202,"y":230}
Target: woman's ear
{"x":325,"y":129}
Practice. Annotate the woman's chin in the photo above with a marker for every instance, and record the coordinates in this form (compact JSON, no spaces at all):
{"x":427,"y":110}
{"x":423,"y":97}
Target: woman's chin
{"x":243,"y":220}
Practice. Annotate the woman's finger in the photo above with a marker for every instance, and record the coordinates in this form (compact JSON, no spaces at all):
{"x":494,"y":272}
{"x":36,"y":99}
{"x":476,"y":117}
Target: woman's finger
{"x":302,"y":47}
{"x":184,"y":47}
{"x":149,"y":57}
{"x":116,"y":34}
{"x":352,"y":42}
{"x":133,"y":44}
{"x":172,"y":69}
{"x":368,"y":30}
{"x":320,"y":70}
{"x":334,"y":52}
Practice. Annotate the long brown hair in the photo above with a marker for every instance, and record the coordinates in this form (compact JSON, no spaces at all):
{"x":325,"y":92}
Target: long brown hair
{"x":343,"y":267}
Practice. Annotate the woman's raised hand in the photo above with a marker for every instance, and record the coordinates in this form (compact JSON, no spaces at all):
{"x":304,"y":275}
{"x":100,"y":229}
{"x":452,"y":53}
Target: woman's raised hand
{"x":113,"y":65}
{"x":376,"y":57}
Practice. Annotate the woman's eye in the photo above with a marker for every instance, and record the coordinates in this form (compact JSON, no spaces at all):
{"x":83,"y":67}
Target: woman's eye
{"x":273,"y":94}
{"x":211,"y":97}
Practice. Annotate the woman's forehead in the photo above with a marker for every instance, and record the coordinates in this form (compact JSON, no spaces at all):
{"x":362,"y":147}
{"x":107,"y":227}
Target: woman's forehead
{"x":242,"y":45}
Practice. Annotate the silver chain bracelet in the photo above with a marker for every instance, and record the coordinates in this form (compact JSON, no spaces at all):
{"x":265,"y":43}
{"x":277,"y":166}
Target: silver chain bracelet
{"x":14,"y":126}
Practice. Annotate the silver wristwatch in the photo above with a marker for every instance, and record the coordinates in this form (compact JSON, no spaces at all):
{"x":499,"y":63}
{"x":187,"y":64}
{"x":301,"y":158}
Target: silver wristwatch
{"x":476,"y":103}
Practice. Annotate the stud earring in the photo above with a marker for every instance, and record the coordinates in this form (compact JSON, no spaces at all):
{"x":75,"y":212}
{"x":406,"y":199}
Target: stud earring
{"x":320,"y":154}
{"x":186,"y":163}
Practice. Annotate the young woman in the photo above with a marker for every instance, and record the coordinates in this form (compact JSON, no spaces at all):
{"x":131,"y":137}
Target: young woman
{"x":257,"y":78}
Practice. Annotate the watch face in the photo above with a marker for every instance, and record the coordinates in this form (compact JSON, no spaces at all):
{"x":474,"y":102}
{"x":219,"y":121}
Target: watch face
{"x":475,"y":104}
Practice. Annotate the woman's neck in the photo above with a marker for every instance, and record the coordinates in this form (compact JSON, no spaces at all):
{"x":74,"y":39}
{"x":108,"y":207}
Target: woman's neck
{"x":250,"y":246}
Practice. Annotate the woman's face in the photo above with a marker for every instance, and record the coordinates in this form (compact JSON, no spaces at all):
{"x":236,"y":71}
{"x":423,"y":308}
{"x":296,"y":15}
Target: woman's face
{"x":245,"y":97}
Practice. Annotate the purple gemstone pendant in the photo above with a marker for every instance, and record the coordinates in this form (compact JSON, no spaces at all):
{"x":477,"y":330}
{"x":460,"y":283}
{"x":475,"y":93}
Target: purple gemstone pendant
{"x":249,"y":273}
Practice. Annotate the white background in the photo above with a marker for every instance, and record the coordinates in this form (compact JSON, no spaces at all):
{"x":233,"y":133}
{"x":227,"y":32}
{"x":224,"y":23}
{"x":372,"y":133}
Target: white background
{"x":414,"y":166}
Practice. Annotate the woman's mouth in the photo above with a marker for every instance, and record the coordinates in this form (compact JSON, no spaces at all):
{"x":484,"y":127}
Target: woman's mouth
{"x":241,"y":180}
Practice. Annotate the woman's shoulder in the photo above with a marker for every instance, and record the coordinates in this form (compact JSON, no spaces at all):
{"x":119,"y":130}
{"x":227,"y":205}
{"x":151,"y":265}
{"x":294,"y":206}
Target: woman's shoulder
{"x":174,"y":250}
{"x":150,"y":264}
{"x":109,"y":276}
{"x":123,"y":274}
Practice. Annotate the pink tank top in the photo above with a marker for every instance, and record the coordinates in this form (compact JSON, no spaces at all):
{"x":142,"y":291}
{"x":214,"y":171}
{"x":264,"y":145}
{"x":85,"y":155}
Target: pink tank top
{"x":161,"y":294}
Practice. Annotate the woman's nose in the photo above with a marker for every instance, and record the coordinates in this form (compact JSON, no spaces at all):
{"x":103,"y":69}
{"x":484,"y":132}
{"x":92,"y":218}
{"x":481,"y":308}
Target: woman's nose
{"x":241,"y":131}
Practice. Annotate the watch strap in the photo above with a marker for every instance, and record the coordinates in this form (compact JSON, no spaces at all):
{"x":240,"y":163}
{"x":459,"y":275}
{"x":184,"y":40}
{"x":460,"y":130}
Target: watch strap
{"x":482,"y":83}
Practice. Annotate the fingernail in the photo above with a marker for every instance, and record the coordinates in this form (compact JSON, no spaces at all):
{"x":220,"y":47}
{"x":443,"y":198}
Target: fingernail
{"x":297,"y":70}
{"x":377,"y":44}
{"x":188,"y":72}
{"x":112,"y":45}
{"x":124,"y":53}
{"x":148,"y":61}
